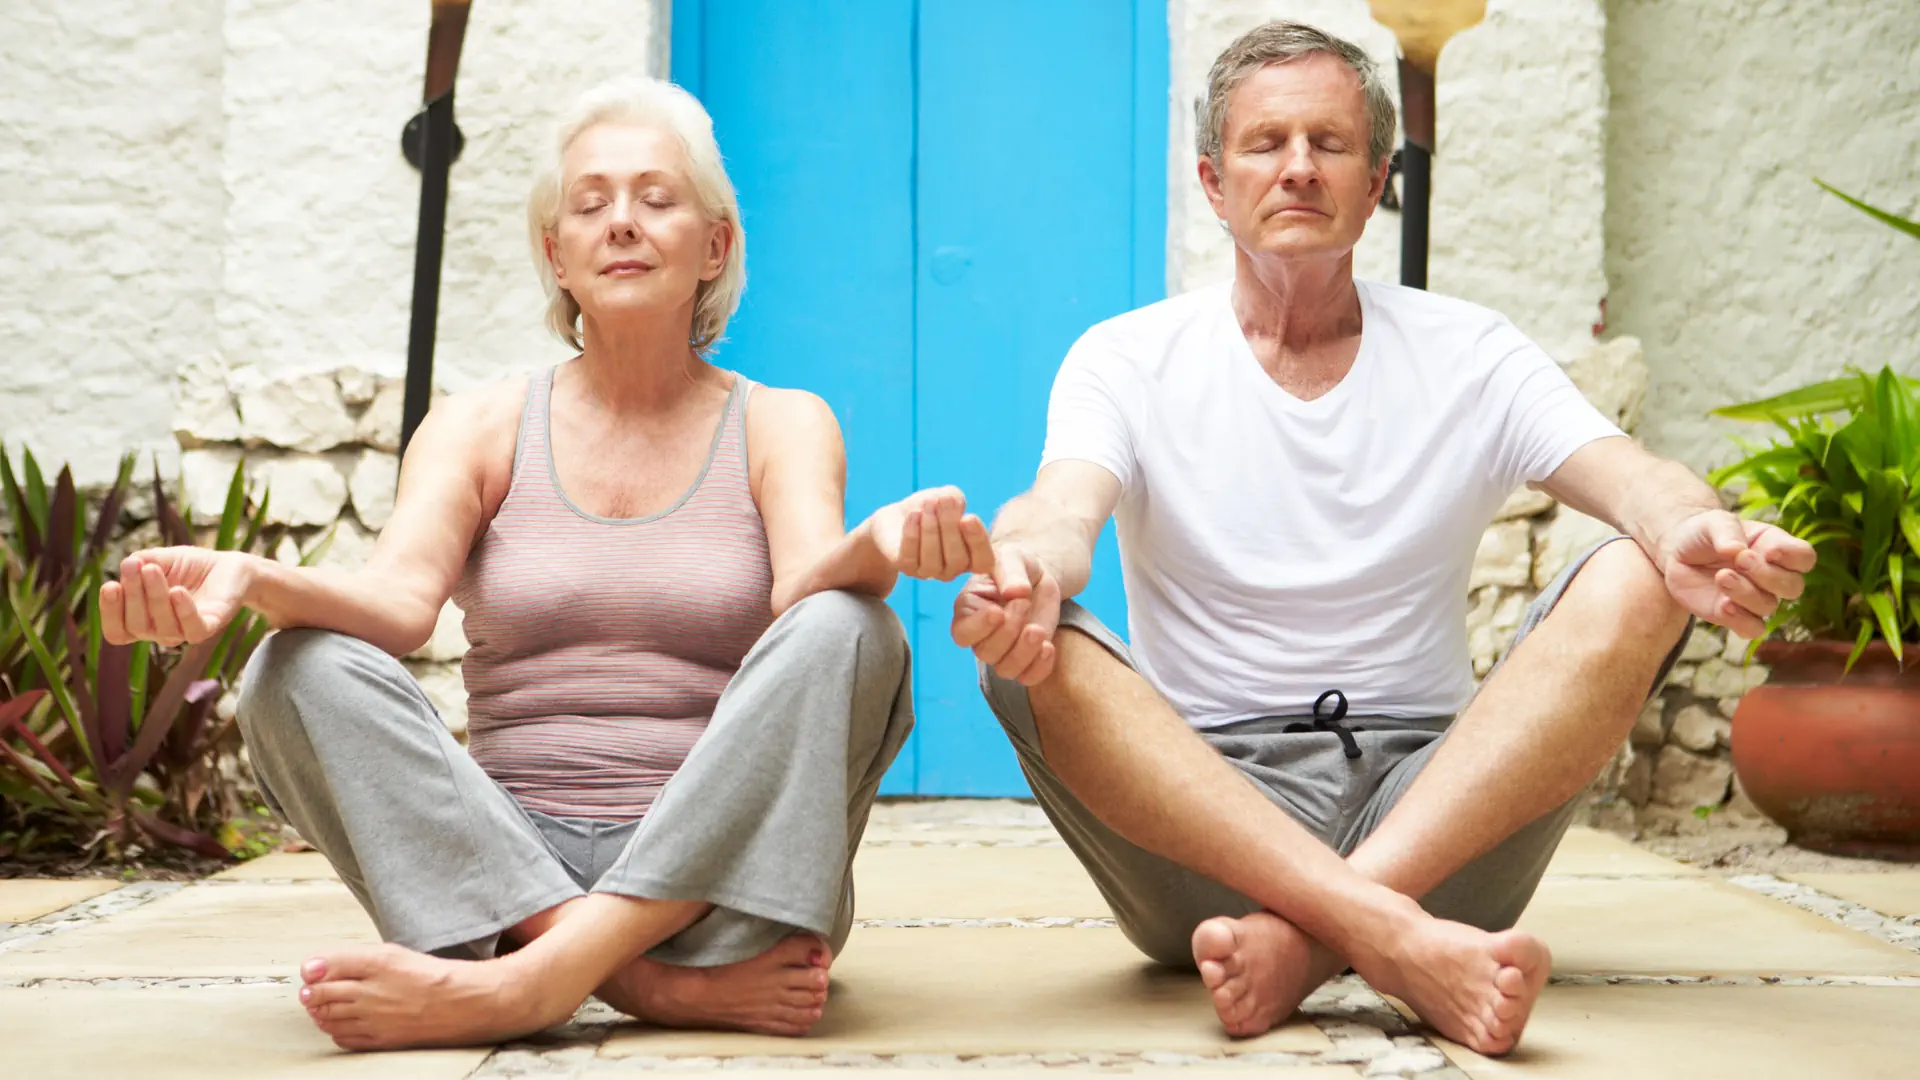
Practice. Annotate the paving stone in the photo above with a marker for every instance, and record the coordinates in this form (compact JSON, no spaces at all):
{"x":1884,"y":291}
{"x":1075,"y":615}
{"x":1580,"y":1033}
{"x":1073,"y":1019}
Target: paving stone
{"x":1591,"y":852}
{"x":1039,"y":1071}
{"x":159,"y":1033}
{"x":993,"y":992}
{"x":29,"y":898}
{"x":202,"y":930}
{"x":1896,"y":894}
{"x":972,"y":882}
{"x":1696,"y":926}
{"x":1754,"y":1033}
{"x":960,"y":835}
{"x":281,"y":865}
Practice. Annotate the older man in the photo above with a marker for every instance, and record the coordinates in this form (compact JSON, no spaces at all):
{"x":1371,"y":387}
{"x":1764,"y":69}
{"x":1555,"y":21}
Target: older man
{"x":1290,"y":771}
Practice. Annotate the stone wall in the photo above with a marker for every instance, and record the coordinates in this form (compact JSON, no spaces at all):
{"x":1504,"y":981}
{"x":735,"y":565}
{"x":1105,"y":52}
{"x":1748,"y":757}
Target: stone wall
{"x":321,"y":449}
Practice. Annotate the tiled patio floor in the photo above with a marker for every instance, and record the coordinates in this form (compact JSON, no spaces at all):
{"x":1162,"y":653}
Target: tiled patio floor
{"x":983,"y":947}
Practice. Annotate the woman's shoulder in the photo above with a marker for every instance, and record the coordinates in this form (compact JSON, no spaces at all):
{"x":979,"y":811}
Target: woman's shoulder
{"x":789,"y":418}
{"x":486,"y":408}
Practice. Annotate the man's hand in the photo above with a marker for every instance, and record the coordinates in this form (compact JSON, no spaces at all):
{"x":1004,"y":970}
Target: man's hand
{"x":1008,"y":617}
{"x":929,"y":534}
{"x":1733,"y":572}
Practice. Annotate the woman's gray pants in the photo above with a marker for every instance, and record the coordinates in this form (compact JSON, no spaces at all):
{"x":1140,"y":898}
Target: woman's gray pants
{"x":762,"y":821}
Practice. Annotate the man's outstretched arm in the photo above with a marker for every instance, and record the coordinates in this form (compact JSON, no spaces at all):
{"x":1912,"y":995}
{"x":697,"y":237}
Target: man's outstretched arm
{"x":1043,"y":553}
{"x":1720,"y":568}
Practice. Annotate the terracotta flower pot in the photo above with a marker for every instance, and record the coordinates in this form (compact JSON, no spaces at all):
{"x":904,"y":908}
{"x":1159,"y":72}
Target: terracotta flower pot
{"x":1835,"y":761}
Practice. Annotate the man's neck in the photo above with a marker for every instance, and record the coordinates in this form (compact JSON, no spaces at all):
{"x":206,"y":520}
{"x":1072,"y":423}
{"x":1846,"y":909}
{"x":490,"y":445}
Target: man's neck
{"x":1296,"y":306}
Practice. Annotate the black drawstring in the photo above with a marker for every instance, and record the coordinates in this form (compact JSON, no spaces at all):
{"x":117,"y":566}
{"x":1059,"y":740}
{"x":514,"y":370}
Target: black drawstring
{"x":1330,"y":721}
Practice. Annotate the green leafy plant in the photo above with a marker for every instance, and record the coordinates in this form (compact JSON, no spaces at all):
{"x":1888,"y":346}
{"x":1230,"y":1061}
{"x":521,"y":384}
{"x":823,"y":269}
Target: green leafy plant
{"x":1843,"y":474}
{"x":105,"y":745}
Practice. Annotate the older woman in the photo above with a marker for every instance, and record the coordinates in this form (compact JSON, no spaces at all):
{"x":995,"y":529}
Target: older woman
{"x":684,"y":686}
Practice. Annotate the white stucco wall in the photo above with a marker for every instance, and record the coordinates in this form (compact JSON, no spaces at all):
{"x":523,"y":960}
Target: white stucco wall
{"x":320,"y":236}
{"x":1738,"y":274}
{"x":110,"y":208}
{"x":1519,"y":176}
{"x":195,"y":179}
{"x":1519,"y":173}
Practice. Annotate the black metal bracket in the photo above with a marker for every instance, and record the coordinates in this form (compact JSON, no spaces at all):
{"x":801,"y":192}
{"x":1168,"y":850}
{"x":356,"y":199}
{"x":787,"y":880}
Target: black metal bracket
{"x":1390,"y":198}
{"x":413,"y":139}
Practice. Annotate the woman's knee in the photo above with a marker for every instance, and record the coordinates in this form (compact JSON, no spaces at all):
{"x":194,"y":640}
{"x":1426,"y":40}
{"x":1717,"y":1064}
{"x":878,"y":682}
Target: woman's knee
{"x":287,"y":667}
{"x":838,"y":622}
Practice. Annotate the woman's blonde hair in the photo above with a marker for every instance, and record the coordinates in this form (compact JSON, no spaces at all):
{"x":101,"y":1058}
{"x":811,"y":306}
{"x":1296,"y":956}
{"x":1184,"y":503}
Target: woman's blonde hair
{"x":638,"y":100}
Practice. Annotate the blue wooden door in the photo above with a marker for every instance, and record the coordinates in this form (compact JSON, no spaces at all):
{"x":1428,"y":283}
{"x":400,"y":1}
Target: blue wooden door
{"x":938,"y":196}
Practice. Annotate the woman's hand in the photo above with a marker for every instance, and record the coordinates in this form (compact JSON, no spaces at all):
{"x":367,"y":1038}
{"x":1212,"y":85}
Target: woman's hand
{"x":175,"y":594}
{"x":929,"y":534}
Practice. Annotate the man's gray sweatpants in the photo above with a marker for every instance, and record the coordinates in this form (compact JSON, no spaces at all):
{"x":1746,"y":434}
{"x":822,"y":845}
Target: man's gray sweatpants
{"x":1341,"y":800}
{"x":762,"y":821}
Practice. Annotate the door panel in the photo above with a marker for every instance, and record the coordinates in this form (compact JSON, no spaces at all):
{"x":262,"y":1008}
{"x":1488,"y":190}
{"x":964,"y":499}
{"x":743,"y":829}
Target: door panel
{"x":1026,"y":239}
{"x":939,"y":196}
{"x":813,"y":108}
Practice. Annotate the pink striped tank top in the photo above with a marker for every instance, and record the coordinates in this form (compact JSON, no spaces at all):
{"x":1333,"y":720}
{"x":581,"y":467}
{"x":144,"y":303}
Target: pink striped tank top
{"x":600,"y":645}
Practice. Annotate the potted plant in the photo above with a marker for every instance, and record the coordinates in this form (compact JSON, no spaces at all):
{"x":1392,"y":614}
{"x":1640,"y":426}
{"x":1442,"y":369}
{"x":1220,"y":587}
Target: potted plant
{"x":1829,"y":747}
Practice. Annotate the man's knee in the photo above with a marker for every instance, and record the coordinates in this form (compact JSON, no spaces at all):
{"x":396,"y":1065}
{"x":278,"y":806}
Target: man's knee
{"x":1620,"y":592}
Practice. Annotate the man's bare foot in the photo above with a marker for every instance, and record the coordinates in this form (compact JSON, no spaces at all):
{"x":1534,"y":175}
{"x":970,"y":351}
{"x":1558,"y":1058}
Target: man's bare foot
{"x":391,"y":998}
{"x":1259,"y":968}
{"x":780,"y":992}
{"x":1475,"y":988}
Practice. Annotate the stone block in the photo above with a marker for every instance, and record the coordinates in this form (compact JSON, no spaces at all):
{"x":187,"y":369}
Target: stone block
{"x":301,"y":490}
{"x":203,"y":407}
{"x":207,"y":474}
{"x":449,"y":639}
{"x":1718,"y":679}
{"x":1650,"y":729}
{"x":296,"y":411}
{"x":1504,"y":555}
{"x":1637,"y":786}
{"x":973,"y":883}
{"x":379,"y":426}
{"x":1702,"y":644}
{"x":1524,"y":503}
{"x":1700,"y":729}
{"x":444,"y":687}
{"x":1562,"y":540}
{"x":347,"y":545}
{"x":1613,"y":376}
{"x":376,"y":473}
{"x":357,"y":385}
{"x":1684,"y":780}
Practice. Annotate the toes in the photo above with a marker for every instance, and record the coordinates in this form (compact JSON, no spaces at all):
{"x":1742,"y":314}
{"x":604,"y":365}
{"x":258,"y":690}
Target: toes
{"x":1215,"y":940}
{"x":330,"y":992}
{"x":346,"y":964}
{"x":1214,"y":974}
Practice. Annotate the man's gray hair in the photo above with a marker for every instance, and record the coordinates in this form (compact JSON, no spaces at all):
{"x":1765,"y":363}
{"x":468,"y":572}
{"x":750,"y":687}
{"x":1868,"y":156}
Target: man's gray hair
{"x":1278,"y":42}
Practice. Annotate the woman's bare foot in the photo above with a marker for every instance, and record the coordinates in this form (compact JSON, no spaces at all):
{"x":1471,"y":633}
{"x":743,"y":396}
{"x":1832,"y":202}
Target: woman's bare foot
{"x":1475,"y":988}
{"x":780,"y":992}
{"x":1259,"y":968}
{"x":391,"y":998}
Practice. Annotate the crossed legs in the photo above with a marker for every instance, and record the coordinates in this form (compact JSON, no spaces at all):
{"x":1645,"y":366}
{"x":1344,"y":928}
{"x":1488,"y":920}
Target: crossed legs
{"x":1541,"y":728}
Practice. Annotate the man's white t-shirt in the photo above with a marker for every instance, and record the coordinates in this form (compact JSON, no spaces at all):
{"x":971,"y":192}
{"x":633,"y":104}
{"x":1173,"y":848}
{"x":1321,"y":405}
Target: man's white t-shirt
{"x":1275,"y":548}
